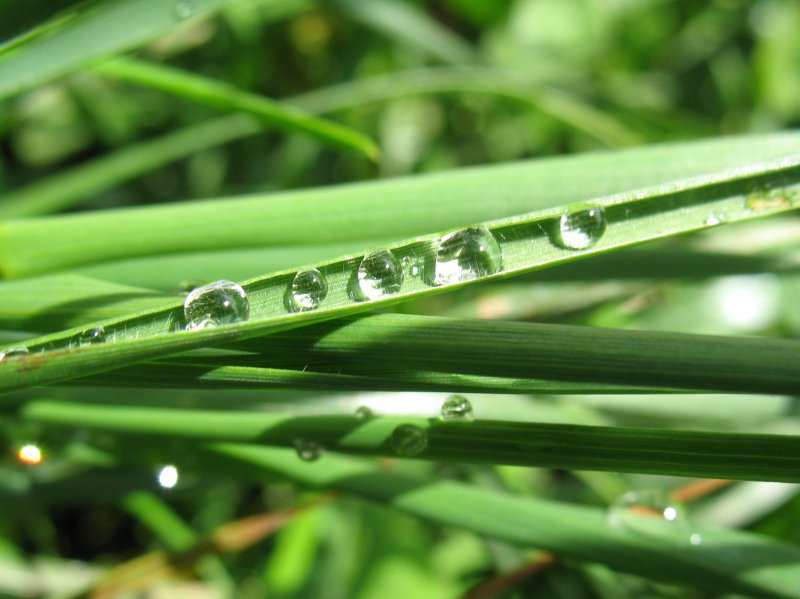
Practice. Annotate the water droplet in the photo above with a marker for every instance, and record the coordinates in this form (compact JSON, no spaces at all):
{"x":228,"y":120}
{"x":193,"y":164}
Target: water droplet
{"x":95,"y":335}
{"x":222,"y":302}
{"x":457,"y":407}
{"x":363,"y":413}
{"x":379,"y":274}
{"x":467,"y":255}
{"x":646,"y":512}
{"x":185,"y":8}
{"x":308,"y":451}
{"x":411,"y":268}
{"x":168,"y":476}
{"x":409,"y":440}
{"x":309,"y":288}
{"x":714,"y":219}
{"x":30,"y":454}
{"x":13,"y":352}
{"x":581,"y":229}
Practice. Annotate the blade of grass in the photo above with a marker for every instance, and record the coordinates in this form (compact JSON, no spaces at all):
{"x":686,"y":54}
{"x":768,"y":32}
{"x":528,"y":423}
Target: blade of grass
{"x":381,"y":210}
{"x":703,"y":454}
{"x":115,"y":26}
{"x":525,"y":242}
{"x":223,"y":96}
{"x":21,"y":23}
{"x":725,"y":560}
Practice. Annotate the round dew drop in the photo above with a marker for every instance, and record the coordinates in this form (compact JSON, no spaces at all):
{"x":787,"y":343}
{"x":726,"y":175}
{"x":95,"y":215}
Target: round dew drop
{"x":379,"y":274}
{"x":308,"y":451}
{"x":581,"y":229}
{"x":309,"y":289}
{"x":409,"y":440}
{"x":12,"y":352}
{"x":639,"y":510}
{"x":92,"y":336}
{"x":467,"y":255}
{"x":363,"y":413}
{"x":457,"y":407}
{"x":215,"y":304}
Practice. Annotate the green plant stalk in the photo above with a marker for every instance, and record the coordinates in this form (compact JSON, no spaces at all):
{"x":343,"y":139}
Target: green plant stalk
{"x":115,"y":26}
{"x":223,"y":96}
{"x":526,"y":243}
{"x":655,"y":451}
{"x":725,"y":560}
{"x":358,"y":213}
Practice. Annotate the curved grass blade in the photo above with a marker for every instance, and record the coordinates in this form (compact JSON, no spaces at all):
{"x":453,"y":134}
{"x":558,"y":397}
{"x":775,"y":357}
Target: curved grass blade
{"x":396,"y":208}
{"x":115,"y":26}
{"x":725,"y":560}
{"x":738,"y":456}
{"x":223,"y":96}
{"x":524,"y":243}
{"x":21,"y":23}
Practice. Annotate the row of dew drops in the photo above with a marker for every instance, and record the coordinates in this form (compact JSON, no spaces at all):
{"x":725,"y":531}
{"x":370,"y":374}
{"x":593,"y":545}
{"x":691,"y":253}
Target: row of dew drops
{"x":464,"y":255}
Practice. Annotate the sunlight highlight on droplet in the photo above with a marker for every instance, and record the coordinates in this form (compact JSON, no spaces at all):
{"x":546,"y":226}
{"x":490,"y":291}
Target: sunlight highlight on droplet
{"x":168,"y":476}
{"x":748,"y":303}
{"x":30,"y":454}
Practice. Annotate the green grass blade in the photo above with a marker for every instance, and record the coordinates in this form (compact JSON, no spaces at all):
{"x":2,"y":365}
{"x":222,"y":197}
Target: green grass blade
{"x":64,"y":188}
{"x":223,"y":96}
{"x":185,"y":373}
{"x":21,"y":23}
{"x":525,"y":243}
{"x":725,"y":560}
{"x":115,"y":26}
{"x":614,"y":449}
{"x":390,"y":209}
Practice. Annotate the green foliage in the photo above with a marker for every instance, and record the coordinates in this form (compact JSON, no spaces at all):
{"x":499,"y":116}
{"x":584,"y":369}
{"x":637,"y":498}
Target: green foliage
{"x":473,"y":238}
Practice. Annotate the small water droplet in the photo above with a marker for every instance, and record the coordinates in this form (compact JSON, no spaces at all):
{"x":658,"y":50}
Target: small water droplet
{"x":167,"y":476}
{"x":409,"y":440}
{"x":411,"y":268}
{"x":308,"y":451}
{"x":379,"y":274}
{"x":641,"y":511}
{"x":222,"y":302}
{"x":12,"y":352}
{"x":185,"y":8}
{"x":309,"y":289}
{"x":457,"y":407}
{"x":714,"y":219}
{"x":95,"y":335}
{"x":581,"y":229}
{"x":467,"y":255}
{"x":30,"y":454}
{"x":363,"y":413}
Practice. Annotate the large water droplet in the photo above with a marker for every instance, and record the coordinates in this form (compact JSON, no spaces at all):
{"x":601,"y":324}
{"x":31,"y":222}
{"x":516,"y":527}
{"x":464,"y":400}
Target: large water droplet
{"x":11,"y":352}
{"x":645,"y":512}
{"x":581,"y":229}
{"x":467,"y":255}
{"x":95,"y":335}
{"x":379,"y":274}
{"x":309,"y":288}
{"x":222,"y":302}
{"x":308,"y":451}
{"x":409,"y":440}
{"x":457,"y":407}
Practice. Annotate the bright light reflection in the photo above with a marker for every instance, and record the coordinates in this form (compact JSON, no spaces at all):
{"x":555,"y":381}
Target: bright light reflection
{"x":168,"y":476}
{"x":670,"y":513}
{"x":30,"y":454}
{"x":748,"y":302}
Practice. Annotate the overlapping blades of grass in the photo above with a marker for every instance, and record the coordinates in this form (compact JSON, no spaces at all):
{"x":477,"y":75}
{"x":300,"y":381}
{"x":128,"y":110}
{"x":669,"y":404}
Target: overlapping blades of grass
{"x":358,"y":213}
{"x":525,"y":243}
{"x":565,"y":446}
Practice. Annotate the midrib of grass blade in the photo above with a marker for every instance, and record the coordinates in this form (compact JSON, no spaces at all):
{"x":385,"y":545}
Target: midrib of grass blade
{"x":114,"y":26}
{"x":725,"y":560}
{"x":525,"y":242}
{"x":357,"y":213}
{"x":615,"y":449}
{"x":223,"y":96}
